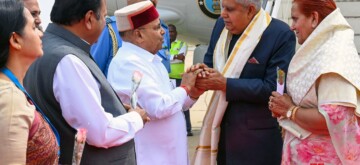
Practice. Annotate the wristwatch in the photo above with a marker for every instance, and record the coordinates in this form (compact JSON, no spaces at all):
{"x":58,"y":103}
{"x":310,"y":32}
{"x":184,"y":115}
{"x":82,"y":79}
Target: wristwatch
{"x":289,"y":112}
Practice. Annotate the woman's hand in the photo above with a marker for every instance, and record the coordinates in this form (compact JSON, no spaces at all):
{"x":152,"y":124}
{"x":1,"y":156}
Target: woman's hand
{"x":280,"y":104}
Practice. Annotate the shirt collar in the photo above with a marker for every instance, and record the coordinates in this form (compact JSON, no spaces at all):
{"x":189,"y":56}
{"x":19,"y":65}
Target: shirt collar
{"x":142,"y":53}
{"x":67,"y":35}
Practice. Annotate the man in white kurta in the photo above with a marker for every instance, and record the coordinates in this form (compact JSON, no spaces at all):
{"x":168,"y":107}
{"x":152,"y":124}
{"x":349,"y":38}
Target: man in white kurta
{"x":163,"y":140}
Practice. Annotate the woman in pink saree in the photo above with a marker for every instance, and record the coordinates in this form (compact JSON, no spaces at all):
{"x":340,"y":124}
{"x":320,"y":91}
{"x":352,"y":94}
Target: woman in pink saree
{"x":320,"y":113}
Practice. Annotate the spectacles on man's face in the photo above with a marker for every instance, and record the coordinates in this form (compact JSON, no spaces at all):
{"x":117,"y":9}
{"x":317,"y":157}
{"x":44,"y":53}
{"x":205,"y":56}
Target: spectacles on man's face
{"x":155,"y":28}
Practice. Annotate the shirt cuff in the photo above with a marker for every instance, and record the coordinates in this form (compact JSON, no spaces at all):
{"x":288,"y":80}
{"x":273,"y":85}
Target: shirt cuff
{"x":134,"y":119}
{"x":188,"y":103}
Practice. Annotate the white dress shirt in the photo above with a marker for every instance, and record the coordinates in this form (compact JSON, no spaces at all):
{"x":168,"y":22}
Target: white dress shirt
{"x":78,"y":94}
{"x":163,"y":140}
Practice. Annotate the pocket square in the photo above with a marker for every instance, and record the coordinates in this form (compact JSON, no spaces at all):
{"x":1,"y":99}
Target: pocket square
{"x":253,"y":60}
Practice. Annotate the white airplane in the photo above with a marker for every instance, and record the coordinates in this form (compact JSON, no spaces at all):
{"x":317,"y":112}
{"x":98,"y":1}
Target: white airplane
{"x":195,"y":19}
{"x":199,"y":16}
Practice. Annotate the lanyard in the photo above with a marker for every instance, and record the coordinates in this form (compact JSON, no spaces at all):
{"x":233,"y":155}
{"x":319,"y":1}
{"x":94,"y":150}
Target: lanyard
{"x":12,"y":77}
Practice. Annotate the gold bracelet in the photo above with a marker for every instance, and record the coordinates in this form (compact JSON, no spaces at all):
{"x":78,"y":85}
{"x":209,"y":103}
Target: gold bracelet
{"x":292,"y":108}
{"x":293,"y":114}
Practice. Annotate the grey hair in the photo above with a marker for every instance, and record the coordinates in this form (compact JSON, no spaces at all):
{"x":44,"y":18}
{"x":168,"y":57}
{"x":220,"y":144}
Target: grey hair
{"x":246,"y":3}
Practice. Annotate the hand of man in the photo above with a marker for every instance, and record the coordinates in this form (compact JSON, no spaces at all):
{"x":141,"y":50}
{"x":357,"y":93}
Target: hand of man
{"x":142,"y":113}
{"x":188,"y":80}
{"x":180,"y":57}
{"x":200,"y":69}
{"x":196,"y":67}
{"x":213,"y":81}
{"x":195,"y":93}
{"x":127,"y":106}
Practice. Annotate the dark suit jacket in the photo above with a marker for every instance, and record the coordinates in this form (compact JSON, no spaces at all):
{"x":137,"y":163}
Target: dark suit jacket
{"x":249,"y":134}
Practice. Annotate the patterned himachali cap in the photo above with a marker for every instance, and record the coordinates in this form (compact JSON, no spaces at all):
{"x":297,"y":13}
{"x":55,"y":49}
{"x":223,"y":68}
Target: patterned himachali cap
{"x":135,"y":15}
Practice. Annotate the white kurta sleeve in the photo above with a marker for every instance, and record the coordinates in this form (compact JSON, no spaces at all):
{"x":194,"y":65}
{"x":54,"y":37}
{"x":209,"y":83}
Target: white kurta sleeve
{"x":188,"y":103}
{"x":78,"y":94}
{"x":154,"y":93}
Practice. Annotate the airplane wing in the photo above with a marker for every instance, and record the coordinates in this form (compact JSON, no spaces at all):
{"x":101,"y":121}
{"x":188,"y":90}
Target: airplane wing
{"x":113,"y":5}
{"x":168,"y":15}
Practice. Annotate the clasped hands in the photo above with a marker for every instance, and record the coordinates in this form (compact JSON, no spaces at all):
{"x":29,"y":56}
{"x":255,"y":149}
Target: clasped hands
{"x":279,"y":104}
{"x":205,"y":78}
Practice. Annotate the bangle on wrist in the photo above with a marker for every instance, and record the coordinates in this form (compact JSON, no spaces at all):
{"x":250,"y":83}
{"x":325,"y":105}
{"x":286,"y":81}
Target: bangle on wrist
{"x":293,"y":113}
{"x":188,"y":92}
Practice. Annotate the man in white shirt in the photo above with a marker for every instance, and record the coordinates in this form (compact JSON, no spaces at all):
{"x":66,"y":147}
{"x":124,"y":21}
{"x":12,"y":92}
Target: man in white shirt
{"x":163,"y":140}
{"x":72,"y":91}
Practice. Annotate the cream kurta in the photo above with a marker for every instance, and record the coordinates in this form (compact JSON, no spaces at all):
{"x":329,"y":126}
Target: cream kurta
{"x":16,"y":118}
{"x":163,"y":140}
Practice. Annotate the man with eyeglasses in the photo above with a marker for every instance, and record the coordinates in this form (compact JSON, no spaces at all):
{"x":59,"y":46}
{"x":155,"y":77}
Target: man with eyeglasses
{"x":110,"y":41}
{"x":164,"y":52}
{"x":163,"y":140}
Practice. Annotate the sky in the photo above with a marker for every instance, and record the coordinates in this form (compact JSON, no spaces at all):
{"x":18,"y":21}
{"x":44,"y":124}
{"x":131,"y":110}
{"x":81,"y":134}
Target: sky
{"x":45,"y":7}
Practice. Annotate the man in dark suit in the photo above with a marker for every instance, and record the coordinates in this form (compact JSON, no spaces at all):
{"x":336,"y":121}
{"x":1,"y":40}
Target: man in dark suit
{"x":249,"y":135}
{"x":218,"y":27}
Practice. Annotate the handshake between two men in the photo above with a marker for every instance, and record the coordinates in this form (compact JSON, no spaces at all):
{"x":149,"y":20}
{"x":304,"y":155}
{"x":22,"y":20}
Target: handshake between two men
{"x":200,"y":78}
{"x":196,"y":80}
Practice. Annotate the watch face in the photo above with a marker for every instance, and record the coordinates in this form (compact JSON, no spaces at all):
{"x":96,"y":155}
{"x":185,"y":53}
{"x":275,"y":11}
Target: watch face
{"x":288,"y":114}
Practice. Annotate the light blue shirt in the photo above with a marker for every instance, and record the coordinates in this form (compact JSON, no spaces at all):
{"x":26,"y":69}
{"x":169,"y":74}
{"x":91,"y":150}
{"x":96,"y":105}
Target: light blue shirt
{"x":102,"y":50}
{"x":164,"y":53}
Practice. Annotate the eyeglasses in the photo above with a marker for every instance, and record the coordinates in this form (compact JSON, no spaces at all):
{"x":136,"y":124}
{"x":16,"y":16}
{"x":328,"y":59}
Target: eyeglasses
{"x":157,"y":28}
